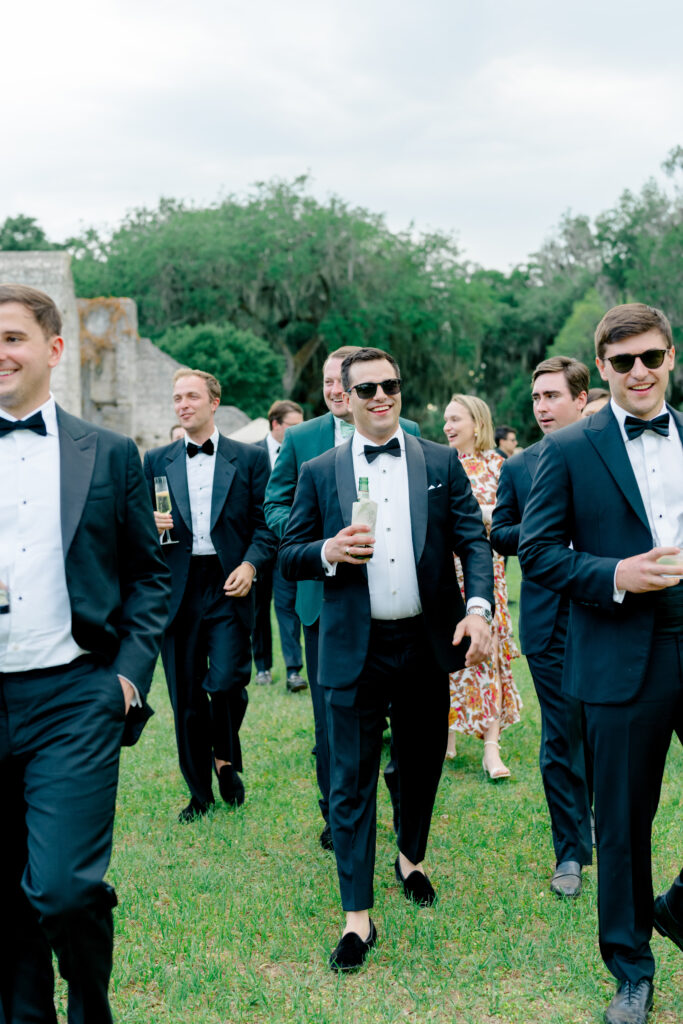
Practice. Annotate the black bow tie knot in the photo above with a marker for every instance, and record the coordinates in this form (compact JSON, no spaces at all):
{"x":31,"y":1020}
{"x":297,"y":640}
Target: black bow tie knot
{"x":195,"y":449}
{"x":634,"y":427}
{"x":391,"y":448}
{"x":35,"y":423}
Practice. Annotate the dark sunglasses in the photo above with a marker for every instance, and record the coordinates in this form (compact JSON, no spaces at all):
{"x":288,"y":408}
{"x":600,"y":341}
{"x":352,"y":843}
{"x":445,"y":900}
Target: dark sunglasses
{"x":369,"y":389}
{"x":652,"y":359}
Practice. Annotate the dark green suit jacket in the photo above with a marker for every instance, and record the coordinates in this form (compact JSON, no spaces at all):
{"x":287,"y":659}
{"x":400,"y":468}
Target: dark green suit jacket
{"x":303,"y":442}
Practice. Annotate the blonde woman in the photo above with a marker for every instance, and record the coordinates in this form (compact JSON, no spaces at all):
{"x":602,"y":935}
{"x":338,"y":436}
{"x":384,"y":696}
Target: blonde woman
{"x":484,"y":700}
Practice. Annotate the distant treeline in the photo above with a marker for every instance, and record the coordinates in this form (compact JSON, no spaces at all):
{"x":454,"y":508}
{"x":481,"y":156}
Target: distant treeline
{"x":259,"y":289}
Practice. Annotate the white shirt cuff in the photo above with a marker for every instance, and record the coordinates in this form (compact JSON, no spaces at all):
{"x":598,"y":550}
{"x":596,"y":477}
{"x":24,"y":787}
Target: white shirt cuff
{"x":617,"y":595}
{"x":478,"y":602}
{"x":137,"y":700}
{"x":329,"y":567}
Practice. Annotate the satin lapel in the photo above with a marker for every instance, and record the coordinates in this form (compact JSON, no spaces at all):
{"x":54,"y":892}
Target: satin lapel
{"x":76,"y":464}
{"x":605,"y":435}
{"x":417,"y":486}
{"x":223,"y":476}
{"x":176,"y":474}
{"x":531,"y":462}
{"x":346,"y":483}
{"x":678,"y":417}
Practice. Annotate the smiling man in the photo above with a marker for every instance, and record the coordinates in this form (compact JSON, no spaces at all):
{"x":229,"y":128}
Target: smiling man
{"x":301,"y":443}
{"x":559,"y":388}
{"x":611,"y":487}
{"x":216,"y":487}
{"x":391,"y":628}
{"x":88,"y":593}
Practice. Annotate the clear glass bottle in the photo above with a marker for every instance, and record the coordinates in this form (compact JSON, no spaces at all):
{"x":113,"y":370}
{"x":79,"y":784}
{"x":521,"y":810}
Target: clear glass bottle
{"x":364,"y":511}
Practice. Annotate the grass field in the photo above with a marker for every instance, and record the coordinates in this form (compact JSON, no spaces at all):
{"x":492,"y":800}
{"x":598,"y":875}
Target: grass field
{"x":230,"y":920}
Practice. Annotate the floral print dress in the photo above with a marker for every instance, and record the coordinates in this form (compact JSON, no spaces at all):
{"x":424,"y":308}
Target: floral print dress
{"x":486,"y":692}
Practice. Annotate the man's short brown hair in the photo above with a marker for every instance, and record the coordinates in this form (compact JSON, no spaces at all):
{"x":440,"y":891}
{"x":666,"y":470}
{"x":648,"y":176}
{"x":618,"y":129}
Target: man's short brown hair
{"x":39,"y":303}
{"x":575,"y":373}
{"x":364,"y":355}
{"x":628,"y":321}
{"x":212,"y":385}
{"x":279,"y":410}
{"x":340,"y":353}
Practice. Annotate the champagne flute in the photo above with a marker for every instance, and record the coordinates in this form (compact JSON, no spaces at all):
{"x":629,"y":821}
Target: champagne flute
{"x":163,"y":503}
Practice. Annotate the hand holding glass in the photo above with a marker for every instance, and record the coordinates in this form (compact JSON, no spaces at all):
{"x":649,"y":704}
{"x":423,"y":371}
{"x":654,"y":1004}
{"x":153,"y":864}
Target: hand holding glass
{"x":163,"y":503}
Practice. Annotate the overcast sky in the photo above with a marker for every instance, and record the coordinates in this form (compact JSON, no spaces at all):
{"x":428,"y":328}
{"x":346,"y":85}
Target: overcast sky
{"x":487,"y":119}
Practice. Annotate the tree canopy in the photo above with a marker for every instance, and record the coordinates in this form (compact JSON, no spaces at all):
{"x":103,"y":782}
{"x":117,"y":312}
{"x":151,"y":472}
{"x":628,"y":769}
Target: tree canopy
{"x":262,"y":287}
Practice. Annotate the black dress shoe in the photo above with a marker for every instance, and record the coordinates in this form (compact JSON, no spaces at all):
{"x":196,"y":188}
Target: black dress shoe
{"x":231,"y":786}
{"x":566,"y":880}
{"x":666,"y":924}
{"x":295,"y":682}
{"x":631,"y":1004}
{"x":351,"y":951}
{"x":326,"y":838}
{"x":195,"y":809}
{"x":416,"y":887}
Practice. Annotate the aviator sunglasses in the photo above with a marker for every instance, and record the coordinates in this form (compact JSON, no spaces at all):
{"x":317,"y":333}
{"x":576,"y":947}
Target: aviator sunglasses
{"x":369,"y":389}
{"x":624,"y":363}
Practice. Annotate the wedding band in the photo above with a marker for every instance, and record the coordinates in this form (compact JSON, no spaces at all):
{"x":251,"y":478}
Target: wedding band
{"x":346,"y":551}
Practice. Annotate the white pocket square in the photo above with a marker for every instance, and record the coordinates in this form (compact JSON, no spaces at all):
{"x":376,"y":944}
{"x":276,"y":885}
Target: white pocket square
{"x":434,"y":487}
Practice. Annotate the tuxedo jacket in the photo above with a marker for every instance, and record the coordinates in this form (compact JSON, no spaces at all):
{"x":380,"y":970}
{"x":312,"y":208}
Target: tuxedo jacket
{"x":117,"y":581}
{"x":445,"y":518}
{"x":303,"y":442}
{"x":585,"y":494}
{"x":238,"y":529}
{"x":539,"y":606}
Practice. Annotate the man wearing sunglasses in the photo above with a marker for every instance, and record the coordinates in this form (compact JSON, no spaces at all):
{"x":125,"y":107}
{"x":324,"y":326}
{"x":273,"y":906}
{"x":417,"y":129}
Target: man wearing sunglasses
{"x":392,"y":626}
{"x":301,"y":443}
{"x":604,"y":510}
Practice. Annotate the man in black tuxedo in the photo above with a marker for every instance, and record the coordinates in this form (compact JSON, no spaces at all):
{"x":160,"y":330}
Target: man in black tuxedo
{"x":270,"y":585}
{"x":88,"y":593}
{"x":604,"y":509}
{"x":300,"y":444}
{"x":558,"y":392}
{"x":216,"y":487}
{"x":391,"y":628}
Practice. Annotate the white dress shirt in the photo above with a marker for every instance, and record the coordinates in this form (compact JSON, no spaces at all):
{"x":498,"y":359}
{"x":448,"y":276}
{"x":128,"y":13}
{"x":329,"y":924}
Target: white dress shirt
{"x":657,"y":463}
{"x":200,"y":470}
{"x":37,"y":632}
{"x":392,"y":576}
{"x":338,"y":436}
{"x":273,"y":449}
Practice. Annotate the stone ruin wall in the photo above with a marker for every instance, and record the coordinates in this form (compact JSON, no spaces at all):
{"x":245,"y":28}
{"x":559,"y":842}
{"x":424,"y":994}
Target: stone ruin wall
{"x":108,"y":374}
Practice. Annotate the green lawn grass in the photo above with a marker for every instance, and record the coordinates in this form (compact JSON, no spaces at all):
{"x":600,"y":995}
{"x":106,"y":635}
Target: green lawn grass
{"x":230,"y":920}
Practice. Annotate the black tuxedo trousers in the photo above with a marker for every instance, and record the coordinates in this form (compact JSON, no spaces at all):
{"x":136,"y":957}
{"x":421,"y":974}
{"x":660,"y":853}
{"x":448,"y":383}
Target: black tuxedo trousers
{"x":399,"y":657}
{"x":60,"y":736}
{"x":206,"y":653}
{"x":629,"y":743}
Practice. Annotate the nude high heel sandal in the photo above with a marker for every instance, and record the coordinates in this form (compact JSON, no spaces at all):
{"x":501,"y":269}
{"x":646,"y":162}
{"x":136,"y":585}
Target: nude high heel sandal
{"x":499,"y":773}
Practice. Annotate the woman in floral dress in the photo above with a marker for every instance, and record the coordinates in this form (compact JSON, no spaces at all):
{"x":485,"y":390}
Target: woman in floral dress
{"x":484,"y":699}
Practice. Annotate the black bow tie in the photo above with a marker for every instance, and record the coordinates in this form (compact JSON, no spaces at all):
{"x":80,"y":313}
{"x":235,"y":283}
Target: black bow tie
{"x":195,"y":449}
{"x":391,"y":448}
{"x":35,"y":423}
{"x":635,"y":427}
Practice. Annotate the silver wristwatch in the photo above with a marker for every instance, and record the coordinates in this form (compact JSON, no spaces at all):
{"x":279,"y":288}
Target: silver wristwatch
{"x":484,"y":612}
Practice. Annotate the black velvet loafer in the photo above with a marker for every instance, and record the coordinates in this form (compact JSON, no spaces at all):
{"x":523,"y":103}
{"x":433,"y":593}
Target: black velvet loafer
{"x":351,"y":951}
{"x":195,"y":809}
{"x":231,"y":786}
{"x":416,"y":887}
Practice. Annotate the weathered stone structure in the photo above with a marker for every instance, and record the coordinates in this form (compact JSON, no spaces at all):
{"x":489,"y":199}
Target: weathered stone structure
{"x":108,"y":374}
{"x":51,"y":272}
